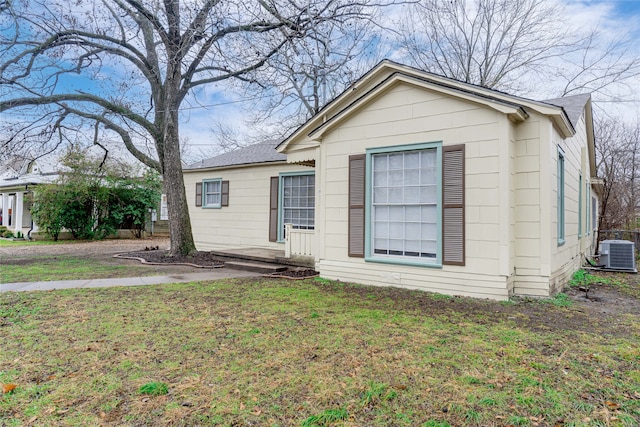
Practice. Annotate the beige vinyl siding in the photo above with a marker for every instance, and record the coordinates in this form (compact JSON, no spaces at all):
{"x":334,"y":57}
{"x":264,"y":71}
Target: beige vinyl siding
{"x":567,"y":258}
{"x":245,"y":222}
{"x":542,"y":266}
{"x":529,"y":221}
{"x":408,"y":115}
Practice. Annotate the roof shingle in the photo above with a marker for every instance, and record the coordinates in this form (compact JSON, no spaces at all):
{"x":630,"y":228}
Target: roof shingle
{"x":262,"y":152}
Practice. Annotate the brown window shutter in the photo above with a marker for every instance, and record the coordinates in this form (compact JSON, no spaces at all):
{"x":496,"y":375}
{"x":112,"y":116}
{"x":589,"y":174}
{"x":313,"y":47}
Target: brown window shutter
{"x":224,"y":194}
{"x":453,"y":205}
{"x":273,"y":209}
{"x":198,"y":194}
{"x":357,"y":168}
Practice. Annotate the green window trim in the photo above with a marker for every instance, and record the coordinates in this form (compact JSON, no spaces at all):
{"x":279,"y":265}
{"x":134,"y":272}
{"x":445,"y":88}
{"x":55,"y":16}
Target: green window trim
{"x":580,"y":184}
{"x":281,"y":177}
{"x":561,"y":196}
{"x":370,"y":256}
{"x":207,"y":191}
{"x":588,"y":225}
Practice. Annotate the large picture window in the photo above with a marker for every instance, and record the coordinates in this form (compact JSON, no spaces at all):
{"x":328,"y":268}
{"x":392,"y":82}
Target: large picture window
{"x":404,"y":204}
{"x":298,"y":201}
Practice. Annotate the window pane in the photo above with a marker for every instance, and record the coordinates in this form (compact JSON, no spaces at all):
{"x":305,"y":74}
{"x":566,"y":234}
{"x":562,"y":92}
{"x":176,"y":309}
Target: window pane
{"x":412,"y":213}
{"x":429,"y":232}
{"x":412,"y":160}
{"x":412,"y":230}
{"x":381,"y":244}
{"x":411,"y":177}
{"x":395,"y":195}
{"x":428,"y":194}
{"x":380,"y":163}
{"x":396,"y":230}
{"x":380,"y":195}
{"x":429,"y":213}
{"x":412,"y":246}
{"x":381,"y":213}
{"x":396,"y":213}
{"x":395,"y":161}
{"x":396,"y":245}
{"x":412,"y":195}
{"x":396,"y":178}
{"x":380,"y":179}
{"x":381,"y":229}
{"x":428,"y":159}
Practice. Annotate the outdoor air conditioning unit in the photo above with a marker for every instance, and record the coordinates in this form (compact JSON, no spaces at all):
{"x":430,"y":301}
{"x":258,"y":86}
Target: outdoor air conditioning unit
{"x":618,"y":255}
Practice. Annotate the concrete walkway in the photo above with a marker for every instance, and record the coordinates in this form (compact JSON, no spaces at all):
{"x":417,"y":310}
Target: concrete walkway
{"x":214,"y":274}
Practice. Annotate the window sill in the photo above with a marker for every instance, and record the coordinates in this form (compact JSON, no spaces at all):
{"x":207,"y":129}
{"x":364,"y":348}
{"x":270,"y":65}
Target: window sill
{"x":403,"y":261}
{"x":211,"y":207}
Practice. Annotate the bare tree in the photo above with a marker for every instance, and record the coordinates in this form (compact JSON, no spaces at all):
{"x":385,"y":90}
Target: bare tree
{"x":618,"y":156}
{"x":514,"y":45}
{"x":127,"y":68}
{"x":310,"y":72}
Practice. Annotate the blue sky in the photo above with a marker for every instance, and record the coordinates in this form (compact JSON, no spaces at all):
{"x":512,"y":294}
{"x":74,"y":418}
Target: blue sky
{"x":614,"y":17}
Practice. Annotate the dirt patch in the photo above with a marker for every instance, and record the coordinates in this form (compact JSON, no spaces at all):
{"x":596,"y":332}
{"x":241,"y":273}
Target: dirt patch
{"x":605,"y":310}
{"x":296,"y":273}
{"x":155,"y":256}
{"x":101,"y":247}
{"x":95,"y":252}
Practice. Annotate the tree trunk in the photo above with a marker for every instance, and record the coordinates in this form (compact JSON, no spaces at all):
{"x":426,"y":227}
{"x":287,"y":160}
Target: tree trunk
{"x":179,"y":224}
{"x":170,"y":160}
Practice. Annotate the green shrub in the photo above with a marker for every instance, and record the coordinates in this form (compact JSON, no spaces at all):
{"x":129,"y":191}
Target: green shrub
{"x":93,"y":203}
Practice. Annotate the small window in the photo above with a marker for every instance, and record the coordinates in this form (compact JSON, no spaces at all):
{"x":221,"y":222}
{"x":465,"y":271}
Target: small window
{"x":560,"y":196}
{"x":212,"y":193}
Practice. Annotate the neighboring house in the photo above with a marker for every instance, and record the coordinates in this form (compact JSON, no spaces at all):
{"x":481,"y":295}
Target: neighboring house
{"x":415,"y":180}
{"x":18,"y":178}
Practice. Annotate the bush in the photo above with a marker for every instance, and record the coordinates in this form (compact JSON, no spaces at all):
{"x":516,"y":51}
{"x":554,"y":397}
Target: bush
{"x":94,"y":205}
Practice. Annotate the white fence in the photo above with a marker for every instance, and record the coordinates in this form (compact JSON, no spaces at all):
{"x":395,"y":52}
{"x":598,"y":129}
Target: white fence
{"x":298,"y":242}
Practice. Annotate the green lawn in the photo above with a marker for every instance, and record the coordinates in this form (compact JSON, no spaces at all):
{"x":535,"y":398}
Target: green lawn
{"x":310,"y":353}
{"x":10,"y":243}
{"x":66,"y":267}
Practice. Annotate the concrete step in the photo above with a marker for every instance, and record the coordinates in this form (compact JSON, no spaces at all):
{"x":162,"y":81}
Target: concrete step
{"x":256,"y":267}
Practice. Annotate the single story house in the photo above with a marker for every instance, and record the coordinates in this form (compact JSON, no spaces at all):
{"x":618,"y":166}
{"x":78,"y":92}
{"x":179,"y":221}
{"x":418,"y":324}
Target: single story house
{"x":415,"y":180}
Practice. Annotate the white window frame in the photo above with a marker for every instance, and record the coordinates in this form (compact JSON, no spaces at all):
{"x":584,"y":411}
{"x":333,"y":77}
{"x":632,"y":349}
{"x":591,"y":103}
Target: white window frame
{"x":205,"y":192}
{"x":310,"y":197}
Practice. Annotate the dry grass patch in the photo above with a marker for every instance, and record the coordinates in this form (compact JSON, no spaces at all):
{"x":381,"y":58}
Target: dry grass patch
{"x":314,"y":352}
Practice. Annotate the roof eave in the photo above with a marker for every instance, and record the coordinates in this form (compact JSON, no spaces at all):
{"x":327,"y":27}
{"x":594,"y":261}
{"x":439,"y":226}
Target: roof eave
{"x":239,"y":165}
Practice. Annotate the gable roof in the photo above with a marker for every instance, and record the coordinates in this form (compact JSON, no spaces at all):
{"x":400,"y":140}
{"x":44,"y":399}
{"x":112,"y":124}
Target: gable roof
{"x":573,"y":105}
{"x":262,"y":152}
{"x":388,"y":73}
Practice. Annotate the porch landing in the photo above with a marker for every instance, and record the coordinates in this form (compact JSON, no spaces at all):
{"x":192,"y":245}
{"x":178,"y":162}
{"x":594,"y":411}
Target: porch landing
{"x":265,"y":255}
